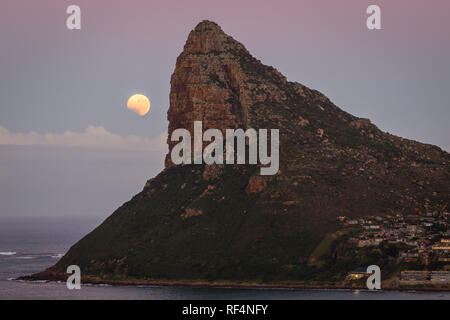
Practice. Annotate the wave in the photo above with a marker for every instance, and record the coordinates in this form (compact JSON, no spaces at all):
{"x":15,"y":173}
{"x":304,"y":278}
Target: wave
{"x":27,"y":256}
{"x":7,"y":253}
{"x":38,"y":256}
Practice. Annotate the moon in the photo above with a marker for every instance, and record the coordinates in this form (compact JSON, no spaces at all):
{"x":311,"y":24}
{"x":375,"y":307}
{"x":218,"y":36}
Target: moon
{"x":139,"y":104}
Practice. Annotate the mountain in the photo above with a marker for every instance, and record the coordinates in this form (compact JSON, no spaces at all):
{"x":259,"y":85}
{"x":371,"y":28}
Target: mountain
{"x":229,"y":223}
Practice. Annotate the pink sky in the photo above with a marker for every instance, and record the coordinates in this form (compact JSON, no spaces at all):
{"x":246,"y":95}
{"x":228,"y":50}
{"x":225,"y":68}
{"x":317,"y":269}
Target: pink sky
{"x":54,"y":81}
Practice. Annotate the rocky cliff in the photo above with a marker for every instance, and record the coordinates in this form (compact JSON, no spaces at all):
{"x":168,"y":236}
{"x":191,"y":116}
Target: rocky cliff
{"x":227,"y":222}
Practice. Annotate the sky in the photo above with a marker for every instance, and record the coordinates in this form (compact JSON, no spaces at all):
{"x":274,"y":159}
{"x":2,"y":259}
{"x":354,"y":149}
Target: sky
{"x":69,"y":146}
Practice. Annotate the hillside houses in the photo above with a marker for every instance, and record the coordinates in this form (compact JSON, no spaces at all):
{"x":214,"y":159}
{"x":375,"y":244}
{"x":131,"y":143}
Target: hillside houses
{"x":419,"y":236}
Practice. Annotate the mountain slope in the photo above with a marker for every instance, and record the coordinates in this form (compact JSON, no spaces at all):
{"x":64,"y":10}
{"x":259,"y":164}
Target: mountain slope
{"x":226,"y":222}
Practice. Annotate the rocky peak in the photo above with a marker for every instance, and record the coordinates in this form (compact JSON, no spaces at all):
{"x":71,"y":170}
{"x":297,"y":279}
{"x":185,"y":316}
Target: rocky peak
{"x":229,"y":223}
{"x":208,"y":37}
{"x":208,"y":83}
{"x":216,"y":81}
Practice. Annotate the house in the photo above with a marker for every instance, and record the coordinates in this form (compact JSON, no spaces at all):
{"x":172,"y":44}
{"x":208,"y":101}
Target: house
{"x":410,"y":275}
{"x":439,"y":247}
{"x":369,"y":242}
{"x":440,"y":276}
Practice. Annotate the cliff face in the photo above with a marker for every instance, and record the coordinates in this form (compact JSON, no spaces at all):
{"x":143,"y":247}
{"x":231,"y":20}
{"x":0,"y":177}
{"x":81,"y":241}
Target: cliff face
{"x":329,"y":156}
{"x":226,"y":222}
{"x":216,"y":80}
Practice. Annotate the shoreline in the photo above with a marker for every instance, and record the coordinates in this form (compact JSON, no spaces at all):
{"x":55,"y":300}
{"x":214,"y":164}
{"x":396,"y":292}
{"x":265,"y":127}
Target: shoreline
{"x":206,"y":284}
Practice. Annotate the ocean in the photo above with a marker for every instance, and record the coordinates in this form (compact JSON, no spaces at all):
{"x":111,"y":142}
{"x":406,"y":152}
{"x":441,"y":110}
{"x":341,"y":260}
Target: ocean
{"x":30,"y":244}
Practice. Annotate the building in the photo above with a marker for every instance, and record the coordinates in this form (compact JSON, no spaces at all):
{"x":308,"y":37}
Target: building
{"x":369,"y":242}
{"x":410,"y":275}
{"x":372,"y":227}
{"x":410,"y":256}
{"x":440,"y":276}
{"x":444,"y":248}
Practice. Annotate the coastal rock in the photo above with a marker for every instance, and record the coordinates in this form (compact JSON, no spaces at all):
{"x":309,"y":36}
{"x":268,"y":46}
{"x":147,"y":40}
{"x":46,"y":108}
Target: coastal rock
{"x":249,"y":228}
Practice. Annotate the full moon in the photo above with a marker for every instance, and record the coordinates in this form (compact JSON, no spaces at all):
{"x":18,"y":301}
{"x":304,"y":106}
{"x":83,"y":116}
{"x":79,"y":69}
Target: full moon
{"x":139,"y":104}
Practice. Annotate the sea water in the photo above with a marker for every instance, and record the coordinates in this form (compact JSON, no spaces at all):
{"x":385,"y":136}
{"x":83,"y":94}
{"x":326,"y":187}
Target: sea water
{"x":32,"y":244}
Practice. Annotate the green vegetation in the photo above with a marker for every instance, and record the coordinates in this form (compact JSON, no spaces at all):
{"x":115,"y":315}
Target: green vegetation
{"x":322,"y":249}
{"x":234,"y":239}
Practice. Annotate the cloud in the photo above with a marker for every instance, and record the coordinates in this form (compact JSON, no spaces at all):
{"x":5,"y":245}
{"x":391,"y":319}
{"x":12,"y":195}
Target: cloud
{"x":92,"y":137}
